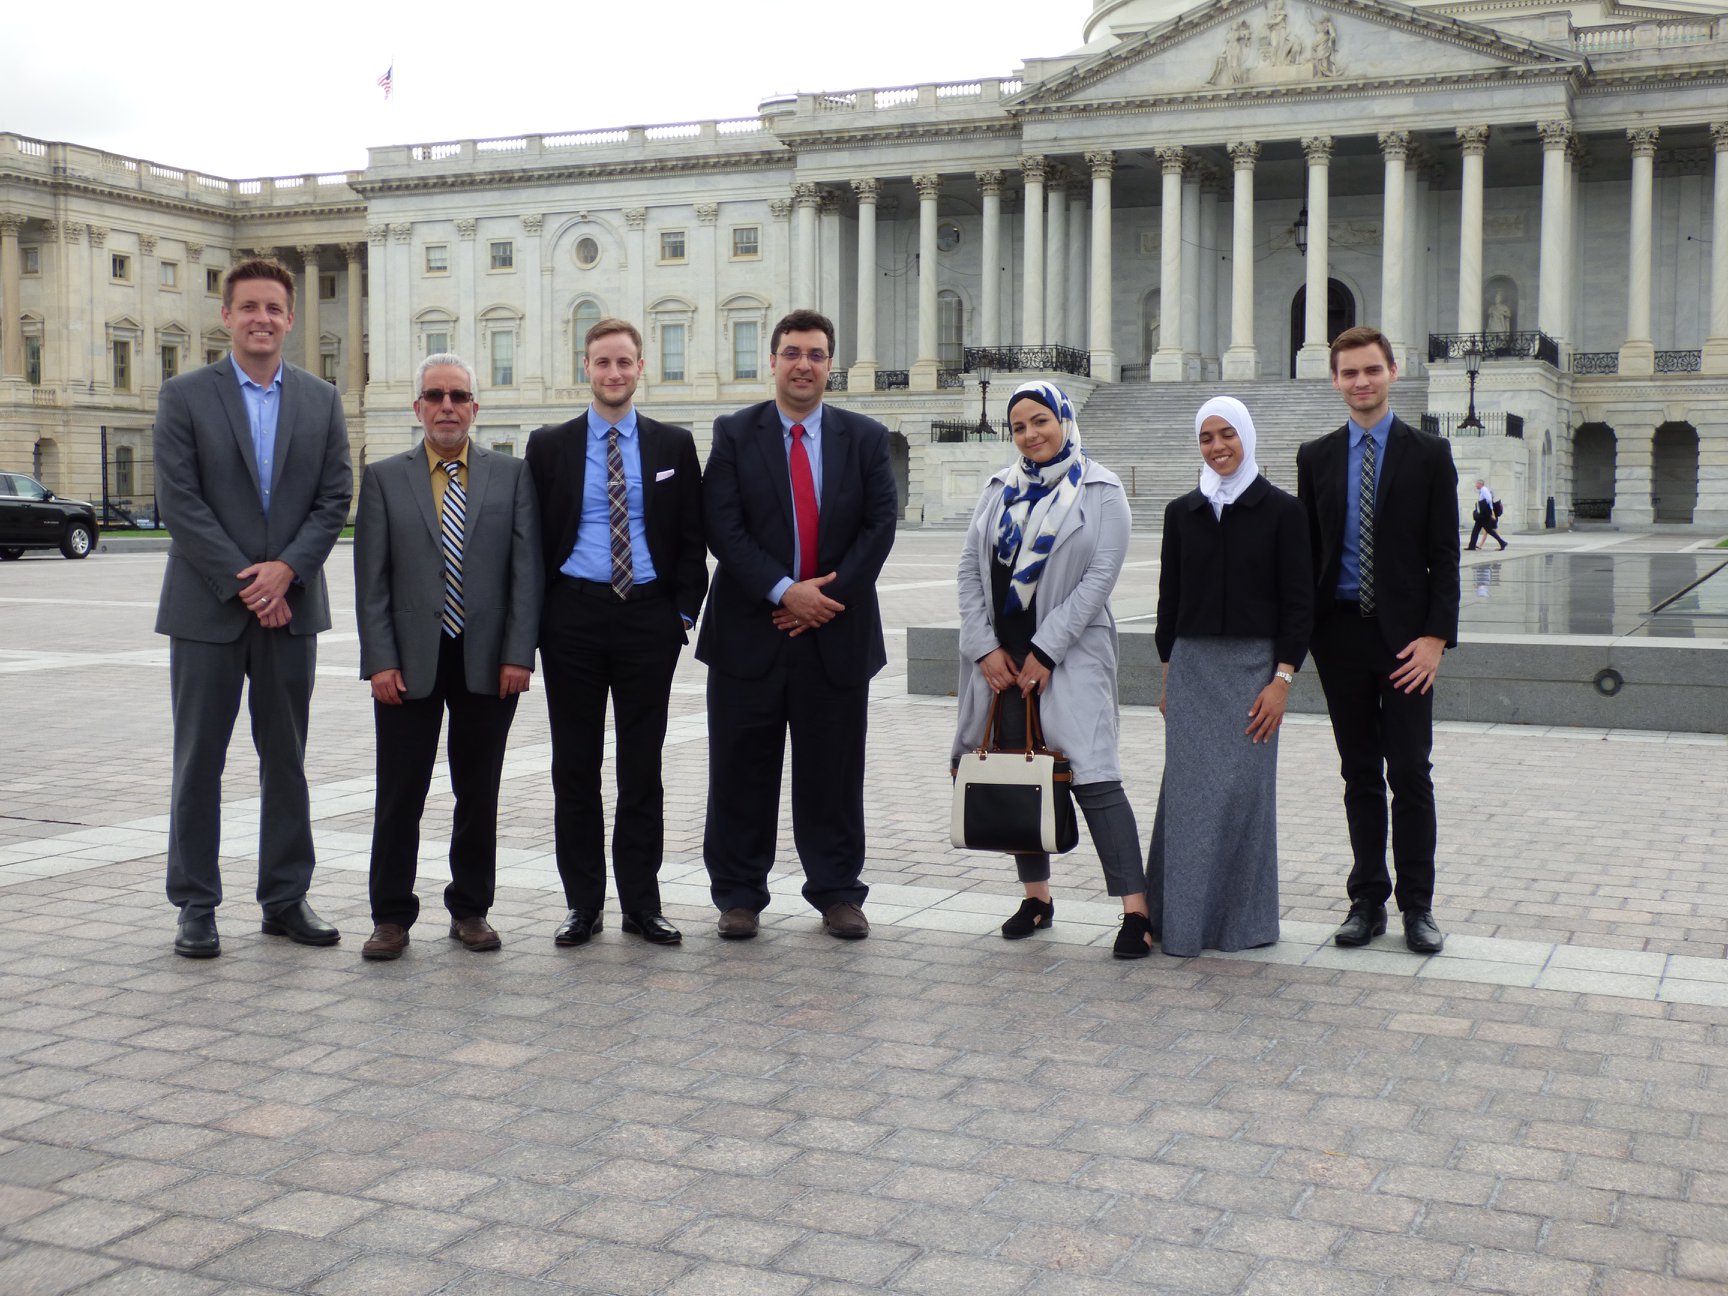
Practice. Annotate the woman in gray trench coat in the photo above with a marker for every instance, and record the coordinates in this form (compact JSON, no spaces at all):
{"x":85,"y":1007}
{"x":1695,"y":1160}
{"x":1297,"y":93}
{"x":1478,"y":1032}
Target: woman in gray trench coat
{"x":1042,"y":555}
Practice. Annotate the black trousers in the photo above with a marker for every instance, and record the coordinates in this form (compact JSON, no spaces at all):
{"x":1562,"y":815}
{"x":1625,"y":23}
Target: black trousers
{"x":594,"y":647}
{"x":1491,"y":526}
{"x":748,"y":723}
{"x":1384,"y":737}
{"x":407,"y":749}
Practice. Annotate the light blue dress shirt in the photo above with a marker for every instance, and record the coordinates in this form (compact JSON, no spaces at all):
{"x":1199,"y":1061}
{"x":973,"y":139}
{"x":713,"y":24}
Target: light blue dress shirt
{"x":263,"y":408}
{"x":591,"y":559}
{"x":813,"y":451}
{"x":1349,"y":565}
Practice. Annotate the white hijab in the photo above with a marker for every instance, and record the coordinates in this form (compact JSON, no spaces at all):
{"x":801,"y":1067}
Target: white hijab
{"x":1220,"y":491}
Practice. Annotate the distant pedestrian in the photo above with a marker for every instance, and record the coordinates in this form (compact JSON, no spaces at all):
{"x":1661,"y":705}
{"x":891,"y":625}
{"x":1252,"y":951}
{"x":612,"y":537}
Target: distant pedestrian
{"x":1486,"y":517}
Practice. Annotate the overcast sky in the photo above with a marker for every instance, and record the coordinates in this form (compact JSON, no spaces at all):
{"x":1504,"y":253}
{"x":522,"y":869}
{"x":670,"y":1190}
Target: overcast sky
{"x":284,"y":90}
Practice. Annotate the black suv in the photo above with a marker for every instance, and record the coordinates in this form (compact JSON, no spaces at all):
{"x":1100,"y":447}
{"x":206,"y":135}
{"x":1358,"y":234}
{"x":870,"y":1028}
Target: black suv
{"x":33,"y":517}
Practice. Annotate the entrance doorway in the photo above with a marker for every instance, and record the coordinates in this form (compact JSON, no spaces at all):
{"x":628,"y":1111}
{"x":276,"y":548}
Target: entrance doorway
{"x":1340,"y":315}
{"x":1674,"y":475}
{"x":1593,"y":455}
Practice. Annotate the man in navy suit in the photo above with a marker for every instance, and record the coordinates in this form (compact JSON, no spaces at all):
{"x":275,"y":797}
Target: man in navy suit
{"x":1382,"y":504}
{"x":800,"y":506}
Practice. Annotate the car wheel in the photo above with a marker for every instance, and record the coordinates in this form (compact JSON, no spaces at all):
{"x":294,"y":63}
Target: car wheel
{"x":78,"y":540}
{"x":11,"y":552}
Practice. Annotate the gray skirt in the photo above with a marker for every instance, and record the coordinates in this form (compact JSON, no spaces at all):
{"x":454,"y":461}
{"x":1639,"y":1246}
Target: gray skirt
{"x":1212,"y":873}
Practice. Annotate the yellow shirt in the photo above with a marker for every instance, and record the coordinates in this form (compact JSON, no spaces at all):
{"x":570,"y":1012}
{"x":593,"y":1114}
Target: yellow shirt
{"x":441,"y":478}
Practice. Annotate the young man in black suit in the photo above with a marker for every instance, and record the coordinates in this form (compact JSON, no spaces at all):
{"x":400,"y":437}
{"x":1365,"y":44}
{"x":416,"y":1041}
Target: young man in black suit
{"x":621,"y":524}
{"x":1382,"y":505}
{"x":800,"y":506}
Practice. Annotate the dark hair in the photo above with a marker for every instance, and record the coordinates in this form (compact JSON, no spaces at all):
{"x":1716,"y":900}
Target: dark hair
{"x":606,"y":328}
{"x":1360,"y":336}
{"x":258,"y":268}
{"x":803,"y":321}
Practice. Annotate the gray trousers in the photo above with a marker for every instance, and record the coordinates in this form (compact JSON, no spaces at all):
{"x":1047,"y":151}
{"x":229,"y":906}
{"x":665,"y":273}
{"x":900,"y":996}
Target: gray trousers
{"x":204,"y":686}
{"x":1110,"y":821}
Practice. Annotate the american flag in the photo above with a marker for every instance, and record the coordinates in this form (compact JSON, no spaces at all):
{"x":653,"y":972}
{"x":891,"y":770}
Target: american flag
{"x":384,"y":81}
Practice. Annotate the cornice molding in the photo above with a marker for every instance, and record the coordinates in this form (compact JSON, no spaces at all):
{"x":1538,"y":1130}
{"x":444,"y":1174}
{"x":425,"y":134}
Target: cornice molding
{"x":518,"y":177}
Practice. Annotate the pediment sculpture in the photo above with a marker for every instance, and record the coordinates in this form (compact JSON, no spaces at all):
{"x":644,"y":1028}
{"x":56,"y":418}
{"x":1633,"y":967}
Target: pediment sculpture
{"x":1276,"y":53}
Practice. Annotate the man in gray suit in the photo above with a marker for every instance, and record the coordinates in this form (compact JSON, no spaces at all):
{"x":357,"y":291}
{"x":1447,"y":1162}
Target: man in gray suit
{"x":447,"y":577}
{"x":253,"y":482}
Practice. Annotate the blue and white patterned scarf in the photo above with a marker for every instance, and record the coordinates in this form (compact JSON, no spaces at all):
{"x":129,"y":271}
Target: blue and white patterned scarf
{"x":1037,"y":499}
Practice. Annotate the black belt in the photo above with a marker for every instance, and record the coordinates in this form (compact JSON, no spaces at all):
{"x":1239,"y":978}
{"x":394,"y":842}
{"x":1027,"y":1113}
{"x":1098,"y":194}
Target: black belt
{"x":606,"y":594}
{"x":1352,"y":607}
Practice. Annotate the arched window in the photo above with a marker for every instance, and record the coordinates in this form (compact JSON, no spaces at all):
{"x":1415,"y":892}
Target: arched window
{"x":586,"y":315}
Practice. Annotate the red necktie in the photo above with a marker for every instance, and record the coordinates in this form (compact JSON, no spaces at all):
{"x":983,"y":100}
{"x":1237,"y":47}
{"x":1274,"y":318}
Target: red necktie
{"x":803,"y":505}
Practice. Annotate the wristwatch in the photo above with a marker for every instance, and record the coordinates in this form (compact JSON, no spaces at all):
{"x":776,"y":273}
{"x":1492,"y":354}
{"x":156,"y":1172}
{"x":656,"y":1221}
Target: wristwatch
{"x":1289,"y":677}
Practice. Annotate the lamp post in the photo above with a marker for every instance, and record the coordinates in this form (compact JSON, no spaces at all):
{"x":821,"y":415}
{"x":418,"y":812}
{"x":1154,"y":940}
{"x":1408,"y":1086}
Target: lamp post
{"x":1472,"y":366}
{"x":984,"y":431}
{"x":1300,"y":231}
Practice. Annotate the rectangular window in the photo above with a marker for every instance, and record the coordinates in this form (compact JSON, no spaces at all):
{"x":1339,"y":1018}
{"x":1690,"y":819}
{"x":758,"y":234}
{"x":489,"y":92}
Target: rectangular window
{"x":437,"y":343}
{"x":437,"y":258}
{"x":120,"y":266}
{"x":329,"y":369}
{"x":123,"y":465}
{"x":213,"y":282}
{"x":503,"y":255}
{"x":746,"y":242}
{"x":122,"y":366}
{"x":33,"y":361}
{"x":30,"y":260}
{"x":211,"y":355}
{"x":746,"y":344}
{"x":170,"y":362}
{"x":326,"y":287}
{"x":503,"y":359}
{"x":170,"y":274}
{"x":504,"y":448}
{"x":671,"y":245}
{"x":672,"y":353}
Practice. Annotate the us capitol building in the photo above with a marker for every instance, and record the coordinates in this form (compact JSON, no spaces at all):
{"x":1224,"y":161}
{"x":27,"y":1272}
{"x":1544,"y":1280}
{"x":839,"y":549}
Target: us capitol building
{"x":1531,"y":199}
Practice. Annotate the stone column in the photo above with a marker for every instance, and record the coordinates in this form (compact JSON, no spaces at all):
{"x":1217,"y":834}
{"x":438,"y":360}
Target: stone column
{"x":922,"y":376}
{"x":1209,"y":348}
{"x":807,"y":201}
{"x":1075,"y":334}
{"x":1716,"y":344}
{"x":1395,"y":147}
{"x":1638,"y":352}
{"x":378,"y":308}
{"x":1635,"y":465}
{"x":1474,"y":140}
{"x":356,"y":340}
{"x":1242,"y":360}
{"x":990,"y":260}
{"x":706,"y":341}
{"x":1550,"y":292}
{"x":1712,"y":507}
{"x":635,"y":252}
{"x":308,"y":324}
{"x":147,"y":377}
{"x":101,"y":363}
{"x":1056,"y":258}
{"x":535,"y":368}
{"x":1032,"y":251}
{"x":11,"y":310}
{"x":466,"y":341}
{"x":1314,"y":359}
{"x":1167,"y":363}
{"x":1418,"y":314}
{"x":1191,"y":255}
{"x":1102,"y":345}
{"x":399,"y":314}
{"x":862,"y":376}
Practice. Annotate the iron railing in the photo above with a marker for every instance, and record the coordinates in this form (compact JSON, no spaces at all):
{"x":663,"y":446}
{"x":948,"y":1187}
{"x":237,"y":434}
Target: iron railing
{"x":1023,"y":359}
{"x":1489,"y":423}
{"x":1679,"y":361}
{"x":893,"y":380}
{"x":1593,"y":510}
{"x":837,"y":380}
{"x":954,"y":431}
{"x":950,"y":378}
{"x":1494,"y":346}
{"x":1595,"y":362}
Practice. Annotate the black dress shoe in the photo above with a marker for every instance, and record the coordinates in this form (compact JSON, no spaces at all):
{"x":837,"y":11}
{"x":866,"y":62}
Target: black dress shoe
{"x":653,"y":928}
{"x":196,"y":937}
{"x":577,"y":927}
{"x":1420,"y":933}
{"x":1032,"y":915}
{"x":1363,"y":925}
{"x":1131,"y":939}
{"x":299,"y":924}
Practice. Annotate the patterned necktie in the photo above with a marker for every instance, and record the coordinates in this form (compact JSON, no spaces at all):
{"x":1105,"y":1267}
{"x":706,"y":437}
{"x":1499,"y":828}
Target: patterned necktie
{"x":450,"y":539}
{"x":803,"y":504}
{"x":1365,"y":527}
{"x":618,"y":513}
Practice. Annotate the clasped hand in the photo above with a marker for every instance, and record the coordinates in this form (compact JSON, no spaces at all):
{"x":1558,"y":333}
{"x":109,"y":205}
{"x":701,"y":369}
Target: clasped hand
{"x":265,"y":597}
{"x":1002,"y":672}
{"x":805,"y":607}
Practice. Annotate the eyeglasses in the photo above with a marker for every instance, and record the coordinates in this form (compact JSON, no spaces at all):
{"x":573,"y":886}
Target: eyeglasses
{"x":436,"y":395}
{"x":792,"y":355}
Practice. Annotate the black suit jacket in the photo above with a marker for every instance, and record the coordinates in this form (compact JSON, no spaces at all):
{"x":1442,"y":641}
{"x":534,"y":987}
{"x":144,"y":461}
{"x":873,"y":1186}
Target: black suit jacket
{"x":671,"y":501}
{"x":748,"y":494}
{"x":1415,"y":531}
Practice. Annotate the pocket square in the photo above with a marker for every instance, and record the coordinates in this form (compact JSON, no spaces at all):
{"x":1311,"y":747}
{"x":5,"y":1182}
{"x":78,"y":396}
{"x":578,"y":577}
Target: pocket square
{"x":664,"y":474}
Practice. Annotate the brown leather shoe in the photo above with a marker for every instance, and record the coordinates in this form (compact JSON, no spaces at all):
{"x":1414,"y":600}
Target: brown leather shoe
{"x":738,"y":924}
{"x":475,"y":933}
{"x":387,"y":941}
{"x":846,"y":920}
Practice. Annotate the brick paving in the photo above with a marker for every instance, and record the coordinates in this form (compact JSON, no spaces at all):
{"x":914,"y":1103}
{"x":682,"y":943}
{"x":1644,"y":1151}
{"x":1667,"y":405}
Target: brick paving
{"x":932,"y":1111}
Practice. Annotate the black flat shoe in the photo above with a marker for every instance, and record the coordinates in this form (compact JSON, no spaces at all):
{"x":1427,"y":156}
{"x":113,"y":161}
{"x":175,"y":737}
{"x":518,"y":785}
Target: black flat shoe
{"x":577,"y":927}
{"x":1421,"y":936}
{"x":653,"y":928}
{"x":1032,"y":915}
{"x":299,"y":924}
{"x":1131,"y":940}
{"x":1363,"y":925}
{"x":196,"y":937}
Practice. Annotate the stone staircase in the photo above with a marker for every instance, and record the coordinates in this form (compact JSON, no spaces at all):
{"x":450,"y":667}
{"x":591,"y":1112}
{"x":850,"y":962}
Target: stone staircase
{"x":1144,"y":432}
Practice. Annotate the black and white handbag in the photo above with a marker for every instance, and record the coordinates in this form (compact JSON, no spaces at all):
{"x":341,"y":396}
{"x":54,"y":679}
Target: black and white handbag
{"x":1017,"y":800}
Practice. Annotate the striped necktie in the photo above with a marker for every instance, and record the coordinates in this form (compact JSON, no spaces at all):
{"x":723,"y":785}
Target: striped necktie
{"x":455,"y":516}
{"x":618,"y":511}
{"x":1365,"y":527}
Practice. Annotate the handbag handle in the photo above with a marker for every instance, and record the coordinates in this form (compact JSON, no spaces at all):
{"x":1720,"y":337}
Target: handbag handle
{"x":993,"y":729}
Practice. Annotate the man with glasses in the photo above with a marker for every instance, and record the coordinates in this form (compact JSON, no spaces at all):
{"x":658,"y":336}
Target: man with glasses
{"x":621,"y":502}
{"x":447,"y":584}
{"x":801,"y":509}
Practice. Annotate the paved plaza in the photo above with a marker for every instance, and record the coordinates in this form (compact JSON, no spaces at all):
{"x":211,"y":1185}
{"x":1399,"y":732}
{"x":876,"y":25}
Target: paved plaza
{"x":1541,"y":1109}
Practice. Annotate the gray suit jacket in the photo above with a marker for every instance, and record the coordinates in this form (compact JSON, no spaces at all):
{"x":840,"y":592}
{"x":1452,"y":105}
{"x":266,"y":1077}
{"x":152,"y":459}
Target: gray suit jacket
{"x":207,"y":493}
{"x":399,"y":570}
